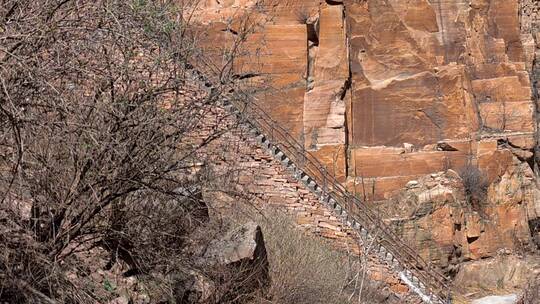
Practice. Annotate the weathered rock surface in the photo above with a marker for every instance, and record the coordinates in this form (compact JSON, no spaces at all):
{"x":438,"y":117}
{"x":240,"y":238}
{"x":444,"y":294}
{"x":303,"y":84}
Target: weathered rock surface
{"x":242,"y":244}
{"x":502,"y":274}
{"x":324,"y":109}
{"x":385,"y":92}
{"x":507,"y":299}
{"x":446,"y":71}
{"x":350,"y":75}
{"x":434,"y":214}
{"x":424,"y":72}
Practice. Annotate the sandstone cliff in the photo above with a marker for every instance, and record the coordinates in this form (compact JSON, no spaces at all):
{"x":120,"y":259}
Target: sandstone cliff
{"x":391,"y":94}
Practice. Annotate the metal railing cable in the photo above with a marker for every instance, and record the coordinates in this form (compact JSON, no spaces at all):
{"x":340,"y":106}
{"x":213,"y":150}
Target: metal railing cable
{"x":252,"y":113}
{"x":312,"y":166}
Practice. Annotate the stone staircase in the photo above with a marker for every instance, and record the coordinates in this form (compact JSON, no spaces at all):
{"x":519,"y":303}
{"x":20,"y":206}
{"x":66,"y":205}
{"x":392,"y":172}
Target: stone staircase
{"x":420,"y":276}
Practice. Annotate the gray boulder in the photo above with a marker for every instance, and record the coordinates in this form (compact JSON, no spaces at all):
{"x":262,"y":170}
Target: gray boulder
{"x":232,"y":269}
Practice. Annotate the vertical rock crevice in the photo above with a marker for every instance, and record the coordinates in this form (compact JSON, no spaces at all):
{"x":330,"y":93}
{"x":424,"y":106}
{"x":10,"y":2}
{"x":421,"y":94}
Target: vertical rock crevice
{"x":312,"y":25}
{"x":529,"y":15}
{"x":347,"y":98}
{"x":328,"y":81}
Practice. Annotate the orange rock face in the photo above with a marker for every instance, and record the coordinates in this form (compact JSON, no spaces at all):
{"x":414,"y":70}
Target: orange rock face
{"x":389,"y":92}
{"x":444,"y":227}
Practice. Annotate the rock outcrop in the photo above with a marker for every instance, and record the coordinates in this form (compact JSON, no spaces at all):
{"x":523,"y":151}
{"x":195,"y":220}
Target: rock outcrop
{"x":434,"y":214}
{"x":242,"y":245}
{"x":502,"y":274}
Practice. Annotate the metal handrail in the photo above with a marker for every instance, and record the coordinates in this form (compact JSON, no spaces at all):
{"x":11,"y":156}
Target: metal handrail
{"x":315,"y":169}
{"x":253,"y":113}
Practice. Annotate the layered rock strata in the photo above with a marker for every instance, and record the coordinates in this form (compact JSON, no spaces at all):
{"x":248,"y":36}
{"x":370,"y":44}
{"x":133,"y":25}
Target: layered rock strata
{"x":388,"y":93}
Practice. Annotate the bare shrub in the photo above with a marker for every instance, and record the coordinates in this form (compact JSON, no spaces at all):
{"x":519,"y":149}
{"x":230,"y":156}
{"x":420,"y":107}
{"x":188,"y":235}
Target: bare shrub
{"x":302,"y":15}
{"x":476,"y":185}
{"x":303,"y":269}
{"x":96,"y":117}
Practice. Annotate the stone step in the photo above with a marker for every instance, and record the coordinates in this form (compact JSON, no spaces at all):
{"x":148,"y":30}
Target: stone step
{"x":312,"y":185}
{"x":286,"y":162}
{"x":332,"y":203}
{"x":337,"y":209}
{"x":274,"y":150}
{"x":306,"y":178}
{"x":280,"y":156}
{"x":261,"y":138}
{"x":254,"y":131}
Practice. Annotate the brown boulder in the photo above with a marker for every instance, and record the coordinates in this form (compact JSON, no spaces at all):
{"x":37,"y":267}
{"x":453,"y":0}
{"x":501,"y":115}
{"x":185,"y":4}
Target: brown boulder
{"x":244,"y":244}
{"x":238,"y":258}
{"x":501,"y":274}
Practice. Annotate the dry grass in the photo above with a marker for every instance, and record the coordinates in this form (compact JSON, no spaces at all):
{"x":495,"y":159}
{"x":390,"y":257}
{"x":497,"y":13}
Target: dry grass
{"x":302,"y":15}
{"x":303,"y":269}
{"x":306,"y":269}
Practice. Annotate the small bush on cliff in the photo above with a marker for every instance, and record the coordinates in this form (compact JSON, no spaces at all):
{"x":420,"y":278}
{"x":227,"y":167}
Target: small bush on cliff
{"x":302,"y":15}
{"x":476,"y":186}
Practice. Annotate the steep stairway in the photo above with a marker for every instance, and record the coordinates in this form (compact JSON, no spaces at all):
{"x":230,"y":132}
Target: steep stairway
{"x":422,"y":278}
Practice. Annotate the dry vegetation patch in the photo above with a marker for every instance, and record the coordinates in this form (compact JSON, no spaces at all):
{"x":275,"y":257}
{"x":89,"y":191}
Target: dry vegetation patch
{"x":307,"y":269}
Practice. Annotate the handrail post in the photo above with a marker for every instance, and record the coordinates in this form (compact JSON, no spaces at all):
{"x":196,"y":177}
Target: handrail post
{"x":303,"y":155}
